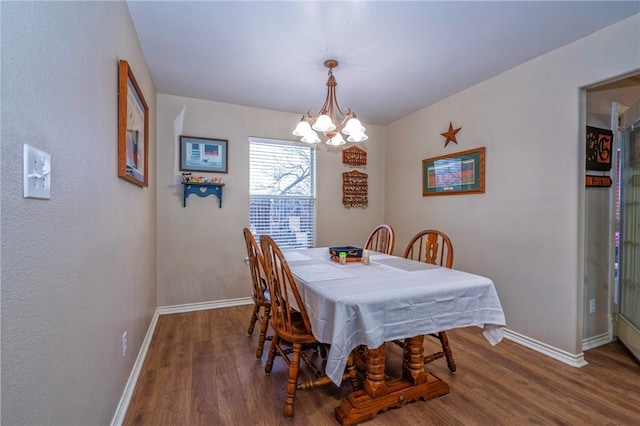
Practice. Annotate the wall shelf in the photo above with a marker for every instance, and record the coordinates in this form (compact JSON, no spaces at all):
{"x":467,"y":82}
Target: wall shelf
{"x":202,"y":190}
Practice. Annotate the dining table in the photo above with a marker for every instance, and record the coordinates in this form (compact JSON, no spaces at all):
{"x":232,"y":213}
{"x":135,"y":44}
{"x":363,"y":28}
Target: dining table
{"x":391,"y":298}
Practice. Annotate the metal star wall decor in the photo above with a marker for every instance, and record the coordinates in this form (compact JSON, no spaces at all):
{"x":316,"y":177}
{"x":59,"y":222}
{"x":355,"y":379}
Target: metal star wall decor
{"x":450,"y":135}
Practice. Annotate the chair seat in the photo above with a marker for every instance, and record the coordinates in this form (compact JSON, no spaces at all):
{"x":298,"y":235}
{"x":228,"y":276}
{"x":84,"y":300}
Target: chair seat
{"x":299,"y":333}
{"x":263,"y":300}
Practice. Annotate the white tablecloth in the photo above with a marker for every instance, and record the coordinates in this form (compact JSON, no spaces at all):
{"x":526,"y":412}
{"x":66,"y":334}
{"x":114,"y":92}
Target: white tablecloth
{"x":392,"y":298}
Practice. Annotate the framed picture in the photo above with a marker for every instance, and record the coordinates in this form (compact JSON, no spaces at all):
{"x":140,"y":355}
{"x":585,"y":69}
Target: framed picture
{"x":203,"y":154}
{"x":133,"y":129}
{"x":458,"y":173}
{"x":599,"y":149}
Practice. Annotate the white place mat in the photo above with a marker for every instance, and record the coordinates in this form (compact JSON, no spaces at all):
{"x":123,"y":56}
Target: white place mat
{"x":319,"y":272}
{"x":400,"y":263}
{"x":294,"y":256}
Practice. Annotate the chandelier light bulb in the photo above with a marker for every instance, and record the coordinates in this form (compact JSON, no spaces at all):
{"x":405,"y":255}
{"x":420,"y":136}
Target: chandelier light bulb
{"x":353,"y":126}
{"x":337,"y":140}
{"x":310,"y":137}
{"x":357,"y":137}
{"x":302,"y":128}
{"x":324,"y":124}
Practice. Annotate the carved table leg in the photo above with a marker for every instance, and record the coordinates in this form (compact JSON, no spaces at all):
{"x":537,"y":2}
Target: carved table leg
{"x":374,"y":384}
{"x":352,"y":372}
{"x":380,"y":395}
{"x":412,"y":364}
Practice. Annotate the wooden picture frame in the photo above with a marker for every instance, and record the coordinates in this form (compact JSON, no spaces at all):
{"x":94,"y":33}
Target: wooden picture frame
{"x":133,"y":129}
{"x":458,"y":173}
{"x":203,"y":154}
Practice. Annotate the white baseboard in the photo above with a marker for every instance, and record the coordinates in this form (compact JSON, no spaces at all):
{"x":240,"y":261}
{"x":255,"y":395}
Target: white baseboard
{"x":574,"y":360}
{"x":123,"y":405}
{"x":595,"y":341}
{"x":121,"y":410}
{"x":191,"y":307}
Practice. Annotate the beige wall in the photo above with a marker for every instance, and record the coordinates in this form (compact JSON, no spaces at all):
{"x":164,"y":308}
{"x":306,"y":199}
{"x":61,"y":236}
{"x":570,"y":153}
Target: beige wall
{"x":200,"y":247}
{"x":79,"y":269}
{"x":526,"y":231}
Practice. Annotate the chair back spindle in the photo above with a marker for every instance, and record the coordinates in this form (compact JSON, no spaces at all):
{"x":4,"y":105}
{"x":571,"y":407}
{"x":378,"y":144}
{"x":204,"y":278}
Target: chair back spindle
{"x":381,"y":239}
{"x":256,"y":265}
{"x":431,"y":246}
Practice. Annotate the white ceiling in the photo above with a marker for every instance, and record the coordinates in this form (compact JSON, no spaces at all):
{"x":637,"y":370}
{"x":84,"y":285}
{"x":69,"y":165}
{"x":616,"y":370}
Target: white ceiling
{"x":395,"y":57}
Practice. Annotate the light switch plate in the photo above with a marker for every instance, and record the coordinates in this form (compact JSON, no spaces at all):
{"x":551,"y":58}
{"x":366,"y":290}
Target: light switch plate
{"x":37,"y":173}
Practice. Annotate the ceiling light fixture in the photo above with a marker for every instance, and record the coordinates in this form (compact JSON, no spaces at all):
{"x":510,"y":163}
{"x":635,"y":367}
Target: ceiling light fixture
{"x":331,"y":120}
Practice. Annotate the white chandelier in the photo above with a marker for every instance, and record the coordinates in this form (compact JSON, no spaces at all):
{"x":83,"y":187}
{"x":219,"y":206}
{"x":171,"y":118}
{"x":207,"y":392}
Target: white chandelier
{"x":331,"y":120}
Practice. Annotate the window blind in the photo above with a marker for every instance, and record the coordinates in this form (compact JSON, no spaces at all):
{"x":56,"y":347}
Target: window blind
{"x":282,"y":191}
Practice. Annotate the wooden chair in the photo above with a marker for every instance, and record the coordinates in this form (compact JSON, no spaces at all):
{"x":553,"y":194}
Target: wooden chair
{"x":431,"y":246}
{"x":291,"y":326}
{"x":381,"y":239}
{"x":434,"y":247}
{"x":260,"y":292}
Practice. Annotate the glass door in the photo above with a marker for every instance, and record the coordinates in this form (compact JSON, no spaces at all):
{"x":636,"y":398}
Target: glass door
{"x":627,"y":325}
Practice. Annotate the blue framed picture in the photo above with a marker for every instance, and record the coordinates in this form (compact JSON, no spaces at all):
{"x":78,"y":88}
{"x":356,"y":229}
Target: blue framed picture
{"x":203,"y":154}
{"x":458,"y":173}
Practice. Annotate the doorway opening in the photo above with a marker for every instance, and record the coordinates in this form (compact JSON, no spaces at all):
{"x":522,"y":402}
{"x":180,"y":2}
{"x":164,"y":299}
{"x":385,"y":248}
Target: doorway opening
{"x":605,"y":215}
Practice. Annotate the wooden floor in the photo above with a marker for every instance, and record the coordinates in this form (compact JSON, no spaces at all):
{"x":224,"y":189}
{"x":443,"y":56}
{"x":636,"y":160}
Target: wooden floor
{"x":201,"y":369}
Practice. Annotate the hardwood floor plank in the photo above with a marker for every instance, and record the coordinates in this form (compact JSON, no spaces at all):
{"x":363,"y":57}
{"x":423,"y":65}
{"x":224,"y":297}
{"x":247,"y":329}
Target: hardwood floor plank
{"x":175,"y":397}
{"x":204,"y":403}
{"x":201,"y":369}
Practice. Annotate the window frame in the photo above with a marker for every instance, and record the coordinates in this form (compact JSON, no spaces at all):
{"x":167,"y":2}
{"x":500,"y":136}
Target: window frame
{"x":312,"y":198}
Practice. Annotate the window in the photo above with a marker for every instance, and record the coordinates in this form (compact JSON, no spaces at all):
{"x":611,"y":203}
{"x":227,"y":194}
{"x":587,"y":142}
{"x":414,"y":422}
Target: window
{"x":282,"y":188}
